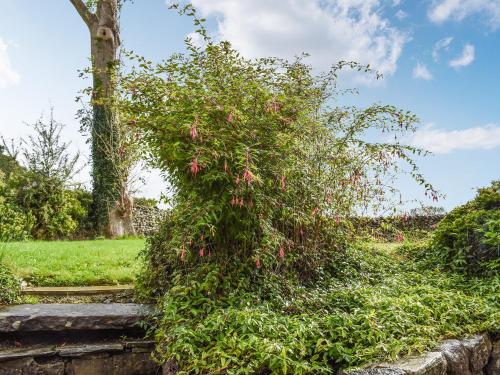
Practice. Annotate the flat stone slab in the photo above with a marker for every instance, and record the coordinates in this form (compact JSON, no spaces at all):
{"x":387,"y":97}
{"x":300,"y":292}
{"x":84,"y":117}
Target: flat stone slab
{"x":24,"y":353}
{"x":82,"y":350}
{"x":76,"y":290}
{"x":71,"y":317}
{"x":430,"y":363}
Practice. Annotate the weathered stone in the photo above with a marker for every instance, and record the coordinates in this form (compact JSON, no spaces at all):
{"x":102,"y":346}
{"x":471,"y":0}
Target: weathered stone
{"x":66,"y":317}
{"x":431,"y":363}
{"x":457,"y":357}
{"x":81,"y":350}
{"x":170,"y":367}
{"x":11,"y":354}
{"x":90,"y":365}
{"x":376,"y":371}
{"x":134,"y":364}
{"x":493,"y":367}
{"x":140,"y":346}
{"x":16,"y":367}
{"x":53,"y":367}
{"x":479,"y":348}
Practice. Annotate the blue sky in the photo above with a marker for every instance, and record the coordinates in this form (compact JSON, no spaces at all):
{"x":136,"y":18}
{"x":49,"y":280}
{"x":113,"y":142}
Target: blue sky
{"x":440,"y":59}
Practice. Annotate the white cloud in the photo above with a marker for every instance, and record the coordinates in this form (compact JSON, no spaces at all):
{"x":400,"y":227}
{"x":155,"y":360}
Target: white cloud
{"x":395,"y":3}
{"x":421,"y":72}
{"x":466,"y":58}
{"x":330,"y":30}
{"x":401,"y":15}
{"x":441,"y":44}
{"x":444,"y":10}
{"x":8,"y":76}
{"x":442,"y":141}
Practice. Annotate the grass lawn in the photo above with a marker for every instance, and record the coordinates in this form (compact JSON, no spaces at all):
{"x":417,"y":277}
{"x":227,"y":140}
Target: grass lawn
{"x":73,"y":263}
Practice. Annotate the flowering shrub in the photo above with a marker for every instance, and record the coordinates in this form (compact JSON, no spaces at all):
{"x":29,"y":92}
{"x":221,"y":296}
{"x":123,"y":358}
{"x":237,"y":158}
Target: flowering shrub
{"x":266,"y":168}
{"x":259,"y":161}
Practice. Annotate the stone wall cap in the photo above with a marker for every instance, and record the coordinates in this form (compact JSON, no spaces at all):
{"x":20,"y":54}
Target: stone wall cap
{"x":71,"y":317}
{"x":11,"y":354}
{"x":430,"y":363}
{"x":87,"y":349}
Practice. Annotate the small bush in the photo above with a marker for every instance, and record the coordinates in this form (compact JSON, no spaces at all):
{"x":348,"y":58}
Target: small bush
{"x":15,"y":224}
{"x":41,"y":187}
{"x":468,"y":238}
{"x":9,"y":285}
{"x":55,"y":210}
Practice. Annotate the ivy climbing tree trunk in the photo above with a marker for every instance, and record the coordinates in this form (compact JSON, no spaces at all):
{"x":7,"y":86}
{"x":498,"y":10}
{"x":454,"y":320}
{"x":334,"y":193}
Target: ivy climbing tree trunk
{"x":112,"y":205}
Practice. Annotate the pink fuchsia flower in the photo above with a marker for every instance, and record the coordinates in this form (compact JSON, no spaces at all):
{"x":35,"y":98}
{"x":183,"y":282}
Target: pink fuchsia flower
{"x":282,"y":252}
{"x":315,"y":211}
{"x":233,"y":201}
{"x":283,"y":183}
{"x":248,"y":176}
{"x":202,"y":252}
{"x":242,"y":203}
{"x":230,"y":117}
{"x":400,"y":237}
{"x":225,"y":166}
{"x":337,"y":219}
{"x":194,"y":166}
{"x":193,"y":132}
{"x":275,"y":106}
{"x":257,"y":263}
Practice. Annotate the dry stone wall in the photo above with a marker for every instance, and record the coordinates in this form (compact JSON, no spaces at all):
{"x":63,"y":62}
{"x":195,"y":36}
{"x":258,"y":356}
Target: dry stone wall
{"x":477,"y":355}
{"x":147,"y":219}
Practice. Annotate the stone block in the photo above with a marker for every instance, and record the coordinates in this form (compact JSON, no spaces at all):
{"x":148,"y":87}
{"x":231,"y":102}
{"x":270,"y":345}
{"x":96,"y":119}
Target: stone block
{"x":53,"y":367}
{"x":16,"y":367}
{"x":457,"y":357}
{"x":431,"y":363}
{"x":375,"y":371}
{"x":134,"y":364}
{"x":479,"y":348}
{"x":71,"y":317}
{"x":493,"y":367}
{"x":90,"y":365}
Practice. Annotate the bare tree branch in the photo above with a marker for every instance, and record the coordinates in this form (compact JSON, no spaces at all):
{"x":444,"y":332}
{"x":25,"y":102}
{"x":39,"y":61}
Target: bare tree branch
{"x":89,"y":17}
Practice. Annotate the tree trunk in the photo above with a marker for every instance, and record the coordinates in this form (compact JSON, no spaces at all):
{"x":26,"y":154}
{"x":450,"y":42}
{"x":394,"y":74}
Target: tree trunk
{"x":112,"y":207}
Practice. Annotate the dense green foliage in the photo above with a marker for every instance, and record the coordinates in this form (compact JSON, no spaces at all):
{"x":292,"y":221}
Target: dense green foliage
{"x":38,"y":194}
{"x":145,"y":202}
{"x":468,"y":238}
{"x":9,"y":285}
{"x":376,"y":308}
{"x":15,"y":224}
{"x":55,"y":209}
{"x":8,"y":164}
{"x":409,"y":226}
{"x":74,"y":263}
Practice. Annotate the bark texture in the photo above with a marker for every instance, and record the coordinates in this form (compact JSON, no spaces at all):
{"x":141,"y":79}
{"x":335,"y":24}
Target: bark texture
{"x":112,"y":206}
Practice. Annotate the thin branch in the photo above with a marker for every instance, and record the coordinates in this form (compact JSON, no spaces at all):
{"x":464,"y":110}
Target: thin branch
{"x":89,"y":17}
